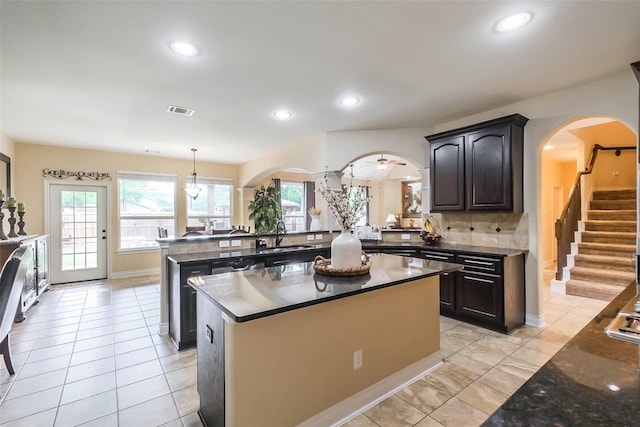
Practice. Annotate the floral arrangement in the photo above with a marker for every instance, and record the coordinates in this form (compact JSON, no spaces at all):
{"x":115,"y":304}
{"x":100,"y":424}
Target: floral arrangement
{"x":345,"y":206}
{"x":315,"y":211}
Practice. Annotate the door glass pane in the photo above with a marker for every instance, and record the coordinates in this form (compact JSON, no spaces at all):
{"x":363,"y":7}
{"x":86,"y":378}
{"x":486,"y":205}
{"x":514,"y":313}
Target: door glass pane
{"x":79,"y":230}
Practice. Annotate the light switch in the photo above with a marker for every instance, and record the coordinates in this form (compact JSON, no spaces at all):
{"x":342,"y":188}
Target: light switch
{"x":406,"y":237}
{"x":224,"y":243}
{"x":236,"y":243}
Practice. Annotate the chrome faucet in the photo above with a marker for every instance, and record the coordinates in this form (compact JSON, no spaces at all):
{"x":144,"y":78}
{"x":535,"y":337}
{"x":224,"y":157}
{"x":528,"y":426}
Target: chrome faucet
{"x":281,"y":230}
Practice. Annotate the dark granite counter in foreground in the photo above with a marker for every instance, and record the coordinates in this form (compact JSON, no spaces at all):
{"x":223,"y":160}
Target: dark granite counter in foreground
{"x":263,"y":292}
{"x":594,"y":380}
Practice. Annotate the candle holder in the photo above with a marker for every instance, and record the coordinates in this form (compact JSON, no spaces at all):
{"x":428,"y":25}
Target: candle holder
{"x":12,"y":222}
{"x":2,"y":235}
{"x":21,"y":231}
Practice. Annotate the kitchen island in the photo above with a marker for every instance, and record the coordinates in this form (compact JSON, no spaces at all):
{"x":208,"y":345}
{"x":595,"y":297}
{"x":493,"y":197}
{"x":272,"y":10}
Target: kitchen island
{"x":283,"y":346}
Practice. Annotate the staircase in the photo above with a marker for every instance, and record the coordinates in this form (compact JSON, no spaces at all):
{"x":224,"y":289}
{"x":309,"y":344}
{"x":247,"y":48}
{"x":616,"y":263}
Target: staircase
{"x":601,"y":265}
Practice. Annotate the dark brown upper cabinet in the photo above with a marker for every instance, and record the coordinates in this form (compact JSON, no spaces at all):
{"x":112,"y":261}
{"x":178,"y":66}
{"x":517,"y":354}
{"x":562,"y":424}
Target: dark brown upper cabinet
{"x":478,"y":167}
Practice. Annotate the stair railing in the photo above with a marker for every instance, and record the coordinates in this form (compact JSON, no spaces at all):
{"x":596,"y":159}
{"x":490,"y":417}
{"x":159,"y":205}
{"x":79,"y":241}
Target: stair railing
{"x":567,"y":224}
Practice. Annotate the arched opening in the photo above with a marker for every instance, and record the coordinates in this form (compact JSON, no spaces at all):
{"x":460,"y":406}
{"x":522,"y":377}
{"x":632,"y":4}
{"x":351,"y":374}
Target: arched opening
{"x":603,"y":227}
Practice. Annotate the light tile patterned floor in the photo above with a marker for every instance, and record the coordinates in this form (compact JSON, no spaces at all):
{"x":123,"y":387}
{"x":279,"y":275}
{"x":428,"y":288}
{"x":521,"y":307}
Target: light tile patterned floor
{"x":89,"y":354}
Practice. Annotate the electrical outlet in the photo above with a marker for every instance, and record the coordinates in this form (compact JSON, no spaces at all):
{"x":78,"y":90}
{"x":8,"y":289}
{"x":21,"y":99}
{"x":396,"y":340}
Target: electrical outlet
{"x":406,"y":237}
{"x":309,"y":236}
{"x":236,"y":243}
{"x":357,"y":359}
{"x":318,"y":236}
{"x":224,"y":243}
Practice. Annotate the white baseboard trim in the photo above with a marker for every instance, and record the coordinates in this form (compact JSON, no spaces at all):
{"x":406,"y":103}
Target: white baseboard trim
{"x":350,"y":407}
{"x":163,"y":329}
{"x":559,"y":287}
{"x":134,"y":273}
{"x":536,"y":321}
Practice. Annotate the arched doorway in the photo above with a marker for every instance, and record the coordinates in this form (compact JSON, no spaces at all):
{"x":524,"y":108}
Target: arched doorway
{"x":566,"y":152}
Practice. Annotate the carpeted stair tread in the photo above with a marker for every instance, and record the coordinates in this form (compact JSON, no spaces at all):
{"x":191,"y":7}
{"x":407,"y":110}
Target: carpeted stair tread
{"x":610,"y":226}
{"x":599,"y":291}
{"x":614,"y":194}
{"x":608,"y":237}
{"x":598,"y":275}
{"x":612,"y":215}
{"x":602,"y":265}
{"x":606,"y":249}
{"x":607,"y":205}
{"x":604,"y":262}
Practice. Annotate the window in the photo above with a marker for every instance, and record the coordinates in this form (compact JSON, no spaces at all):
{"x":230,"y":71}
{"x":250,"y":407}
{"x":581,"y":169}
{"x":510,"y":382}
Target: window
{"x":146,"y":204}
{"x":293,"y":206}
{"x":213,"y":205}
{"x":364,"y":210}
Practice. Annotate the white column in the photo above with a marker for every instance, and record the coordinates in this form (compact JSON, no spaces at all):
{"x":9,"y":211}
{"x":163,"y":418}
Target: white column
{"x":426,"y":190}
{"x":245,"y":196}
{"x":163,"y":327}
{"x":334,"y":180}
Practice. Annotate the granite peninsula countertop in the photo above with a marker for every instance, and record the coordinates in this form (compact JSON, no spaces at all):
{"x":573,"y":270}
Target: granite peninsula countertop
{"x":367,"y":246}
{"x":594,"y":380}
{"x":262,"y":292}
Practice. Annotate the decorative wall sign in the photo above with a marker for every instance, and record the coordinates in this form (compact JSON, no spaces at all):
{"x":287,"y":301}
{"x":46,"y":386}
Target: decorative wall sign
{"x":78,"y":175}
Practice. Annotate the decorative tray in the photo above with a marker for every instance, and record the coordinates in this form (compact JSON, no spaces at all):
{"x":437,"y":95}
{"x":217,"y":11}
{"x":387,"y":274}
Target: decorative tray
{"x":323,"y":266}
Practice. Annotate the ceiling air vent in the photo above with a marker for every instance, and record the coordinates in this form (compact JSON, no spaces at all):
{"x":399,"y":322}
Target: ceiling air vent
{"x":180,"y":110}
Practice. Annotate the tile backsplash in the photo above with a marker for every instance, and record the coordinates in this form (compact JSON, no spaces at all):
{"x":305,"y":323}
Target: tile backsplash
{"x":498,"y":230}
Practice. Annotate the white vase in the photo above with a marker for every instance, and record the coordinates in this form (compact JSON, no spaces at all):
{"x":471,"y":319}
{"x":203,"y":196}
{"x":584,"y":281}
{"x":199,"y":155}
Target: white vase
{"x":346,"y":250}
{"x":315,"y":223}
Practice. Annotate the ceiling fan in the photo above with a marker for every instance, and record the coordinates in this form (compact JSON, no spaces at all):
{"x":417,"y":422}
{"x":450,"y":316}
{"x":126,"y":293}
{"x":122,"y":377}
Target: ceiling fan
{"x":382,"y":163}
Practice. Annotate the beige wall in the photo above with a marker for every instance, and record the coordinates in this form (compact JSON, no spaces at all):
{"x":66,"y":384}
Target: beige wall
{"x":31,"y":159}
{"x":7,"y":147}
{"x":561,"y":175}
{"x":289,"y":367}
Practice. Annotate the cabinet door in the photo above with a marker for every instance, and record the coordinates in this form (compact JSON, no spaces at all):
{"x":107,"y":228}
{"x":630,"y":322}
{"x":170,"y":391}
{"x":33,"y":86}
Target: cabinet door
{"x":479,"y":295}
{"x":188,"y":302}
{"x":188,"y":310}
{"x":447,"y":174}
{"x":489,"y":183}
{"x":447,"y":280}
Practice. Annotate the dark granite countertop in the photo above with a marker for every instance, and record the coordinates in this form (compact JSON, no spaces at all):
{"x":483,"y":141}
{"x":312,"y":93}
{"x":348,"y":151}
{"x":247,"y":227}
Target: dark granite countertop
{"x":444,"y":247}
{"x":263,"y":292}
{"x":594,"y":380}
{"x":366,"y":246}
{"x":243,"y":252}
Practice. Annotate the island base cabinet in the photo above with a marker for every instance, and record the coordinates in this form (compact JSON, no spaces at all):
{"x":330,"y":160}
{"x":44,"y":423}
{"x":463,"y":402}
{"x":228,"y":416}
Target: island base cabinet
{"x":285,"y":369}
{"x":210,"y":342}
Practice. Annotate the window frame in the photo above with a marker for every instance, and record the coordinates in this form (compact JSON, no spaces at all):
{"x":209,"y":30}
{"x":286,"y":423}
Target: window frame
{"x":130,"y":175}
{"x":303,"y":213}
{"x":211,"y":181}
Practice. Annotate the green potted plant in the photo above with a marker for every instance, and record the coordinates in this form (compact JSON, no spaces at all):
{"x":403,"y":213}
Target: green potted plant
{"x":264,"y":209}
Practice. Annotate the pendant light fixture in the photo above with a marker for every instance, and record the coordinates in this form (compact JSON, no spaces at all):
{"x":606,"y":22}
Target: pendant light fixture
{"x":192,"y":188}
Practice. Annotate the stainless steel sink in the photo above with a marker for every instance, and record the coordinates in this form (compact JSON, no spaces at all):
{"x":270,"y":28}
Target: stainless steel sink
{"x":286,"y":248}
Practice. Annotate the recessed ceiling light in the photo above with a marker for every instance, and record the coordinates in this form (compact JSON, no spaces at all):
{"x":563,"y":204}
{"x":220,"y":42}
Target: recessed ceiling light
{"x":282,"y":115}
{"x":184,"y":49}
{"x":349,"y":101}
{"x":513,"y":22}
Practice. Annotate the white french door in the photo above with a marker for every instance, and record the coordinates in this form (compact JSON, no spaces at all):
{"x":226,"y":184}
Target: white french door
{"x":77,"y":232}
